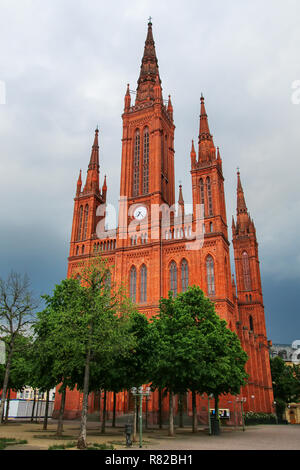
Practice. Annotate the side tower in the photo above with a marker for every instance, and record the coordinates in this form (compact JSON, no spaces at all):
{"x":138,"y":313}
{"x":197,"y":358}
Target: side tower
{"x":86,"y":203}
{"x":208,"y":191}
{"x":252,"y":327}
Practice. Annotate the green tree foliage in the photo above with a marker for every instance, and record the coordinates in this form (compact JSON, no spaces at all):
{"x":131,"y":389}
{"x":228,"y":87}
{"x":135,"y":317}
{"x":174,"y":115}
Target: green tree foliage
{"x":286,"y":384}
{"x":195,"y":349}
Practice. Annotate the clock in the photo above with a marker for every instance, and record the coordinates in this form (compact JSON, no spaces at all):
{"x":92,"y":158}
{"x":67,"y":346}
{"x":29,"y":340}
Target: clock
{"x":140,"y":213}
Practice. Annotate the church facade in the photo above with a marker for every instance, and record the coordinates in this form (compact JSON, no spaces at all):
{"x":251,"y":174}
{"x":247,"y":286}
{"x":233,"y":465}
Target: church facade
{"x":158,"y":247}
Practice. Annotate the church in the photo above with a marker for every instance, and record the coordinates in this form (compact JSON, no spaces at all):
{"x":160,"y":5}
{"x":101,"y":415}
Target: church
{"x":157,"y":247}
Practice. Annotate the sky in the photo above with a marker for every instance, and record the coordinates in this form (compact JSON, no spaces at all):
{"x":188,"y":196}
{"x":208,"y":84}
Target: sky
{"x":65,"y":65}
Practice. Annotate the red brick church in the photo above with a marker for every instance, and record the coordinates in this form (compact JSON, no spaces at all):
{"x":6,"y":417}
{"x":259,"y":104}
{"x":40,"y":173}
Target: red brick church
{"x":153,"y":254}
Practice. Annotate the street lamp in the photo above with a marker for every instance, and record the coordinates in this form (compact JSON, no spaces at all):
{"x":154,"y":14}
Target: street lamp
{"x":141,"y":392}
{"x":253,"y":396}
{"x":275,"y":411}
{"x":208,"y":411}
{"x":241,"y":401}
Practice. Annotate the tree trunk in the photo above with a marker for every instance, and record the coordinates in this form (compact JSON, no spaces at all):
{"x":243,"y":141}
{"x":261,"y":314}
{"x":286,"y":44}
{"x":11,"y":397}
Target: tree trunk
{"x":5,"y":382}
{"x":103,"y":413}
{"x":81,"y":443}
{"x":7,"y":406}
{"x":134,"y":421}
{"x":160,"y":408}
{"x":217,"y":407}
{"x":181,"y":410}
{"x":61,"y":413}
{"x":33,"y":405}
{"x":46,"y":411}
{"x":195,"y":418}
{"x":114,"y":410}
{"x":171,"y":414}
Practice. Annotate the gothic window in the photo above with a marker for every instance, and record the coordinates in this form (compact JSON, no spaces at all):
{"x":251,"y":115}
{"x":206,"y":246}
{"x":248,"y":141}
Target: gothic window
{"x":173,"y":278}
{"x":246,"y":271}
{"x":80,"y":223}
{"x":251,"y":323}
{"x":184,"y":275}
{"x":86,"y":214}
{"x":77,"y":250}
{"x":209,"y":196}
{"x":143,"y":297}
{"x":133,"y":284}
{"x":136,"y":164}
{"x":210,"y":274}
{"x":146,"y":162}
{"x":82,"y":249}
{"x":211,"y":227}
{"x":202,"y":194}
{"x":107,"y":281}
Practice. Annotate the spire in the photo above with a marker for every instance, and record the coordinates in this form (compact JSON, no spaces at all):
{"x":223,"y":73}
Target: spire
{"x":241,"y":204}
{"x":180,"y":202}
{"x":149,"y":70}
{"x":170,"y":108}
{"x":193,"y":155}
{"x":127,"y":99}
{"x":104,"y":188}
{"x":92,"y":179}
{"x":79,"y":184}
{"x":206,"y":144}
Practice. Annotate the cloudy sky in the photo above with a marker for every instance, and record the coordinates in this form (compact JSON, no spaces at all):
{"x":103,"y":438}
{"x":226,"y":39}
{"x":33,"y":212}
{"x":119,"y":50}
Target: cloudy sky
{"x":65,"y":65}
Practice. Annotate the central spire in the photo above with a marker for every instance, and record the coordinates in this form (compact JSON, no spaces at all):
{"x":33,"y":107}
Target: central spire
{"x":149,"y":73}
{"x":206,"y":144}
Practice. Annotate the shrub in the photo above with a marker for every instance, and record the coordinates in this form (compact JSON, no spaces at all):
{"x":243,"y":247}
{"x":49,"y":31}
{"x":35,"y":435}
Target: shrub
{"x":252,"y":418}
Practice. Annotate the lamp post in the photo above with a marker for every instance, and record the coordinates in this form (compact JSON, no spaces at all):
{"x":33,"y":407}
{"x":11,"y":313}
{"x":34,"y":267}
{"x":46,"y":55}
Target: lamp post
{"x":141,"y":392}
{"x":208,"y":412}
{"x":275,"y":411}
{"x":242,"y":400}
{"x":253,"y":396}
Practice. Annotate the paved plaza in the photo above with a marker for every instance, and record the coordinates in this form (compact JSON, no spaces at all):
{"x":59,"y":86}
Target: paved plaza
{"x":261,"y":437}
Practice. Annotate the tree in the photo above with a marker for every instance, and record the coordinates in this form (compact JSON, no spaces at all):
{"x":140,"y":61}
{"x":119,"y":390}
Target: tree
{"x":17,"y":307}
{"x":196,"y":350}
{"x":286,"y":384}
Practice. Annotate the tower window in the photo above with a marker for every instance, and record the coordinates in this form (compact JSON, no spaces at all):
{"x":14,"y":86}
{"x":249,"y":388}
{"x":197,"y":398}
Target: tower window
{"x":86,"y":215}
{"x":133,"y":284}
{"x":143,"y":297}
{"x":80,"y":223}
{"x":246,"y":271}
{"x":210,"y":274}
{"x":209,"y":196}
{"x":173,"y":278}
{"x":184,"y":275}
{"x":202,"y":194}
{"x":251,"y":323}
{"x":136,"y":164}
{"x":146,"y":162}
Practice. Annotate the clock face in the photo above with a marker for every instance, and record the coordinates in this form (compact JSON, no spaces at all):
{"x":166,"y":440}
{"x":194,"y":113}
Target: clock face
{"x":140,"y":213}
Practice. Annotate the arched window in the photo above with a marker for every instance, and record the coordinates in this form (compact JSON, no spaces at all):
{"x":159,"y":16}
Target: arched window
{"x":143,"y":297}
{"x":82,"y":249}
{"x":209,"y":196}
{"x":77,"y":250}
{"x":184,"y":275}
{"x":211,"y":227}
{"x":173,"y":278}
{"x":202,"y":194}
{"x":80,"y":223}
{"x":210,"y":274}
{"x":133,"y":284}
{"x":251,"y":323}
{"x":136,"y":164}
{"x":86,"y":215}
{"x":246,"y":271}
{"x":146,"y":162}
{"x":107,"y":281}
